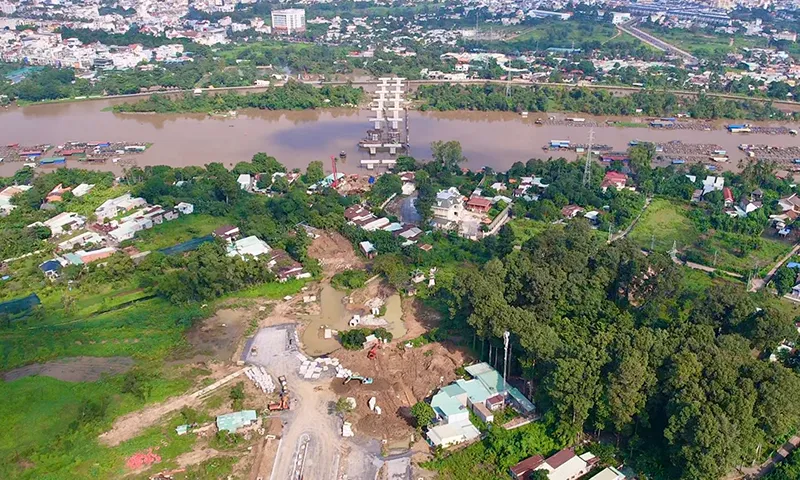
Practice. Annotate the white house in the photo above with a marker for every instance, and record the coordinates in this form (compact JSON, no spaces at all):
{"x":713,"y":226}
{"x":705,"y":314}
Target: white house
{"x":82,"y":189}
{"x":115,"y":206}
{"x":563,"y":465}
{"x":609,"y":473}
{"x":452,"y":434}
{"x":7,"y":194}
{"x":251,"y":246}
{"x":185,"y":208}
{"x":711,"y":184}
{"x":245,"y":181}
{"x":62,"y":223}
{"x":449,"y":205}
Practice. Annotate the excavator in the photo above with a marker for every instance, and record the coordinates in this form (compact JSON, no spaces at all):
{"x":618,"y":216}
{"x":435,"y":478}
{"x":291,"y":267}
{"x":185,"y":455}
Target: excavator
{"x":363,"y":380}
{"x":373,"y":352}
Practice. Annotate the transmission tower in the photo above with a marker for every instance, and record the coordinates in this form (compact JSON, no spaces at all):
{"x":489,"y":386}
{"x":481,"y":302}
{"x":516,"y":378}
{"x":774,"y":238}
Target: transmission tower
{"x":587,"y":169}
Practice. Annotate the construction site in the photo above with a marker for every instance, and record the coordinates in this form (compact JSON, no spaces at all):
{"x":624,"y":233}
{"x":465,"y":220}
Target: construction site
{"x":389,"y":135}
{"x":268,"y":407}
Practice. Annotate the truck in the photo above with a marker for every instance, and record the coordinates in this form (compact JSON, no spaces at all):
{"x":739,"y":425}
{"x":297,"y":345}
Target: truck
{"x":281,"y":405}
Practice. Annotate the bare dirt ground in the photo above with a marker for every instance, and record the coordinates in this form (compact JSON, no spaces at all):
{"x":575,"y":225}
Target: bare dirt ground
{"x":401,"y":378}
{"x":418,"y":318}
{"x":74,"y":369}
{"x":216,"y":338}
{"x":335,"y":253}
{"x":132,"y":424}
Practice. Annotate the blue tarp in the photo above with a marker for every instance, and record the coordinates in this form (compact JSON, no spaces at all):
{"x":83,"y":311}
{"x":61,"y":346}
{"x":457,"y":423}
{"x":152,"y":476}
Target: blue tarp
{"x":19,"y":305}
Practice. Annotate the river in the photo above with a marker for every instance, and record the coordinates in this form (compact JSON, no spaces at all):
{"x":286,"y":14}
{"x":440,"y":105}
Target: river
{"x":295,"y":138}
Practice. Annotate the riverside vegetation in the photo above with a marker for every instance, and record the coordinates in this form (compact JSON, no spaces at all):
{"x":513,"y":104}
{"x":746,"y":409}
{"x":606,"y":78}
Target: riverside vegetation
{"x":615,"y":344}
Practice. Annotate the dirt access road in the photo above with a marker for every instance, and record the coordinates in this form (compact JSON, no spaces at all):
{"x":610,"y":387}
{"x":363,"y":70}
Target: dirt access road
{"x":130,"y":425}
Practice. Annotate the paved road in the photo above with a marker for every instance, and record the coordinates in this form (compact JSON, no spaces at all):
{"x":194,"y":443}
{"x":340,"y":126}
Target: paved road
{"x":645,"y":37}
{"x":704,"y":268}
{"x":625,"y":233}
{"x":776,"y":458}
{"x":759,"y":283}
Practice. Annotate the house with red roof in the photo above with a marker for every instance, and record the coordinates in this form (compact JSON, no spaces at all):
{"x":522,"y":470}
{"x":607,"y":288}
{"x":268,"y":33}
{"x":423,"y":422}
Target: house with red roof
{"x":614,"y":179}
{"x":479,"y":204}
{"x":570,"y":211}
{"x":728,"y":196}
{"x":563,"y":465}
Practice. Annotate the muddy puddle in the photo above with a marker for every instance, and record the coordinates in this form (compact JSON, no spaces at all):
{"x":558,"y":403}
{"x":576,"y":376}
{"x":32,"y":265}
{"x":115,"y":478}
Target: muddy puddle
{"x":335,"y":314}
{"x":74,"y":369}
{"x":332,"y":315}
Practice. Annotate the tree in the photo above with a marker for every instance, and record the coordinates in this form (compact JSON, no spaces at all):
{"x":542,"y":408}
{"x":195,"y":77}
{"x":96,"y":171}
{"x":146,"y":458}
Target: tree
{"x":343,"y":405}
{"x":447,"y":154}
{"x":423,"y":414}
{"x":237,"y":396}
{"x":137,"y":383}
{"x":387,"y":185}
{"x":784,"y":279}
{"x":314,"y":172}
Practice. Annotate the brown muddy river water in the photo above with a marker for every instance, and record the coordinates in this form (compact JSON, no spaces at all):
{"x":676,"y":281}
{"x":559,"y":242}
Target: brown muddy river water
{"x":495,"y":139}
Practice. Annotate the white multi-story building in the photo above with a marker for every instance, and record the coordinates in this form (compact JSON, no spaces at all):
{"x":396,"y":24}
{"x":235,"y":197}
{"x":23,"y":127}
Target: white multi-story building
{"x":292,"y":20}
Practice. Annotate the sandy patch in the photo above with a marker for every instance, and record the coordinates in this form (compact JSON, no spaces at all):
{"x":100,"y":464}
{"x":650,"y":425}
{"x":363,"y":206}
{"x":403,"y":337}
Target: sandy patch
{"x":335,"y":253}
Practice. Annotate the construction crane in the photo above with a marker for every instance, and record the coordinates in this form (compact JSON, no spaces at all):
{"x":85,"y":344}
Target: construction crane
{"x":335,"y":174}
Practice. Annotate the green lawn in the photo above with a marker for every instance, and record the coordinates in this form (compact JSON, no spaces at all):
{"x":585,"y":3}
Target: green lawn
{"x":663,"y":223}
{"x":177,"y":231}
{"x":728,"y":258}
{"x":86,"y":204}
{"x":704,"y":44}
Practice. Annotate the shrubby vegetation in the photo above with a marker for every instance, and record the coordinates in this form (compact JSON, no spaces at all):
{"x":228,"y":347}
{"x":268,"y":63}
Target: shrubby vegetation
{"x":596,"y":102}
{"x":292,"y":96}
{"x":349,"y":279}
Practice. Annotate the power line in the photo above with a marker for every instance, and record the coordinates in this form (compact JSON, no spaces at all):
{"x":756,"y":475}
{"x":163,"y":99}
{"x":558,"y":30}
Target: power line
{"x":587,"y":169}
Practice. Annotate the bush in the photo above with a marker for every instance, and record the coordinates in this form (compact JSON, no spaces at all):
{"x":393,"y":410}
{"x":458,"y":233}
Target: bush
{"x":354,"y":339}
{"x":349,"y":279}
{"x":423,"y":414}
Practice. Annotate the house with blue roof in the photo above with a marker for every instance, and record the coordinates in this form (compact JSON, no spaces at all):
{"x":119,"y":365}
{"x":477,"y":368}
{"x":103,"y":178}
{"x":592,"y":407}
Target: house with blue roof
{"x":486,"y":393}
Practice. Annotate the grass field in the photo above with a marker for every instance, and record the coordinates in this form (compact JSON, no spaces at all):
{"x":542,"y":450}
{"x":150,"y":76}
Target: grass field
{"x":725,"y":245}
{"x":703,"y":44}
{"x":663,"y":223}
{"x":177,"y":231}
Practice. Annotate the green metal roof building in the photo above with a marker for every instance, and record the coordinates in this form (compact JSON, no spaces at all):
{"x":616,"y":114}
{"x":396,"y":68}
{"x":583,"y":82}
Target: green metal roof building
{"x":236,"y":420}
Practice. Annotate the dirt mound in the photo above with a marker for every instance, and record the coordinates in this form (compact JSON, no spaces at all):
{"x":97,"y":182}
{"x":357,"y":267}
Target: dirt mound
{"x":74,"y":369}
{"x":335,"y":253}
{"x":400,"y":379}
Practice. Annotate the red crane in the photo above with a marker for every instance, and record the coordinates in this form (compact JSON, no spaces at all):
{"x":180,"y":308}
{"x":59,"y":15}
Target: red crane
{"x":335,"y":174}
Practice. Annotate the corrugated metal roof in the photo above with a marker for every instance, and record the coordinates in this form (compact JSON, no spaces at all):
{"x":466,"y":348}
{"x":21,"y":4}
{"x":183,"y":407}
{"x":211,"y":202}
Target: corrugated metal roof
{"x":236,"y":420}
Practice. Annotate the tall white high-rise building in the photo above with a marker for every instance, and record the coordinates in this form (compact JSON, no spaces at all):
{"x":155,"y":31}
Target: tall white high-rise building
{"x":292,"y":20}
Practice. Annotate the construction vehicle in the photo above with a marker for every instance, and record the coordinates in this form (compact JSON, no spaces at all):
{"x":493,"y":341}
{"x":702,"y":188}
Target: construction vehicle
{"x":363,"y":380}
{"x":373,"y":352}
{"x":284,"y":385}
{"x":283,"y":404}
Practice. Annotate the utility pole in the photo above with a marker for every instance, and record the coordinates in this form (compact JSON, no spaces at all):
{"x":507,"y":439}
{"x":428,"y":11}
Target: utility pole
{"x":587,"y":169}
{"x":609,"y":233}
{"x":715,"y":257}
{"x":506,"y":336}
{"x":652,"y":242}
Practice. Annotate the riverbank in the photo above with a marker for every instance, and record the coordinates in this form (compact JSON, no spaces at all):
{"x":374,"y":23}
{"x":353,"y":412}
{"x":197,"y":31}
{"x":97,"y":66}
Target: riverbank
{"x":369,"y":84}
{"x":496,"y":139}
